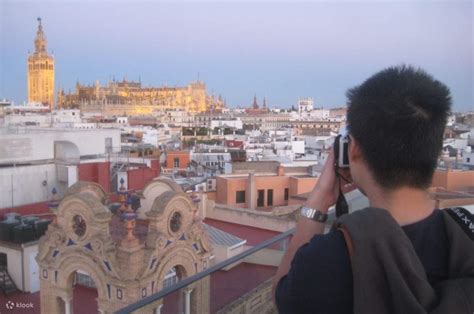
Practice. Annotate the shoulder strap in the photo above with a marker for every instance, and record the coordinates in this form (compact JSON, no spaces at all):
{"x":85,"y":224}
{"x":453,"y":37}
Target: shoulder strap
{"x":347,"y":239}
{"x":463,"y":218}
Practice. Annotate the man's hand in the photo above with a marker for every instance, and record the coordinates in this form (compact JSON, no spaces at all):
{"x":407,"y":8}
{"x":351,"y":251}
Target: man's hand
{"x":323,"y":196}
{"x":326,"y":190}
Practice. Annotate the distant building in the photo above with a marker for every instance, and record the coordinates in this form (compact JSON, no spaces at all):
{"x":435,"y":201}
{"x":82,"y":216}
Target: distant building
{"x":234,"y":144}
{"x":233,"y":123}
{"x":454,"y":180}
{"x":177,"y":159}
{"x":255,"y":108}
{"x":211,"y":162}
{"x":320,"y":114}
{"x":33,"y":161}
{"x":264,"y":120}
{"x":131,"y":98}
{"x":41,"y":72}
{"x":305,"y":105}
{"x":179,"y":117}
{"x":338,"y":114}
{"x":262,"y":185}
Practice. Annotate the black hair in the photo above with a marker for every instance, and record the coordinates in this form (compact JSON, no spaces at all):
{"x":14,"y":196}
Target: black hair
{"x":398,"y":117}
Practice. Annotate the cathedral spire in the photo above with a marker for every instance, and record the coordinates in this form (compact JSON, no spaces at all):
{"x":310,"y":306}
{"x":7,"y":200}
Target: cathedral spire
{"x":40,"y":41}
{"x":255,"y":104}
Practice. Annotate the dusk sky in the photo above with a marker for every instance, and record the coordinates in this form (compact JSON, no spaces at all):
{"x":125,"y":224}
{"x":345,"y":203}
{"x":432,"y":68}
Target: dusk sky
{"x":283,"y":51}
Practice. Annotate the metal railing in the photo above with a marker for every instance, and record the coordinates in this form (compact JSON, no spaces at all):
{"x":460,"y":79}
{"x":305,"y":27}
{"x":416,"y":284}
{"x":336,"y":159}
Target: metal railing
{"x":189,"y":280}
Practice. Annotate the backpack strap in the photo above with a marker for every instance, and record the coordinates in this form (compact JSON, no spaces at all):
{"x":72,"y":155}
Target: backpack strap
{"x":347,"y":238}
{"x":463,"y":218}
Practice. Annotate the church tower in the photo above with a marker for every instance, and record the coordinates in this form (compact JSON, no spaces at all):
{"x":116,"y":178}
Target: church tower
{"x":41,"y":72}
{"x":255,"y":104}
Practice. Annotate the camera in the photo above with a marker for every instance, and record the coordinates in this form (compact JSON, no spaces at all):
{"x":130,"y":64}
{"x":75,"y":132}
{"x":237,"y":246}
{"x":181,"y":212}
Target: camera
{"x":341,"y":149}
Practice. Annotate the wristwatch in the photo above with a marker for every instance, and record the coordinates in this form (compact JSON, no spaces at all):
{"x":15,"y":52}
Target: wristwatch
{"x":313,"y":214}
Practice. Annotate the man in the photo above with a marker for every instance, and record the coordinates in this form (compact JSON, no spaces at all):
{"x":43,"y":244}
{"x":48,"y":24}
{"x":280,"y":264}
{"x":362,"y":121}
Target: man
{"x":400,"y":255}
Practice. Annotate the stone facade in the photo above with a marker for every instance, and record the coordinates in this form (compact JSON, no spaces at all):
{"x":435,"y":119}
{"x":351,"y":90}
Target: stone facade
{"x":130,"y":98}
{"x":257,"y":301}
{"x":126,"y":258}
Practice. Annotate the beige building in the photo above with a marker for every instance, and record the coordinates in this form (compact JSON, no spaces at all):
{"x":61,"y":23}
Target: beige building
{"x":262,"y":185}
{"x":41,"y":71}
{"x":131,"y":98}
{"x":127,"y":259}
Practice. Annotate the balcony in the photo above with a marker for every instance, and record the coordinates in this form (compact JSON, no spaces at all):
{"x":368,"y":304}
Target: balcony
{"x":240,"y":284}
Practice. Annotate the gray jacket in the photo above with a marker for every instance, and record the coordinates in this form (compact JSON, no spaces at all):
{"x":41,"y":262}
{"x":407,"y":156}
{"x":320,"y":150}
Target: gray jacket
{"x":388,"y":277}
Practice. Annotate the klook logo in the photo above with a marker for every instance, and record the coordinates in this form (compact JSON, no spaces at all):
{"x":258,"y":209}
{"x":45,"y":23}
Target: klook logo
{"x":10,"y":305}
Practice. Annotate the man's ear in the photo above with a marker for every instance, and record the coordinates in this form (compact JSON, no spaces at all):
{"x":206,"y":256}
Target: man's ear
{"x":355,"y":153}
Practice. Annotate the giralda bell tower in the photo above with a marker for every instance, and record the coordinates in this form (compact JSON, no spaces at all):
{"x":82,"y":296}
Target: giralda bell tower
{"x":41,"y":72}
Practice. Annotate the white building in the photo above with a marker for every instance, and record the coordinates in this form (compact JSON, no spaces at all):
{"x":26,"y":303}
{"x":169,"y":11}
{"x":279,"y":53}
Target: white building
{"x":85,"y":125}
{"x":451,"y":120}
{"x":234,"y":123}
{"x":211,"y":163}
{"x":178,"y":117}
{"x":305,"y":105}
{"x":38,"y":116}
{"x":468,"y":157}
{"x":21,"y":264}
{"x":155,"y":137}
{"x":456,"y":143}
{"x":320,"y":114}
{"x":67,"y":116}
{"x":122,"y":120}
{"x":37,"y":159}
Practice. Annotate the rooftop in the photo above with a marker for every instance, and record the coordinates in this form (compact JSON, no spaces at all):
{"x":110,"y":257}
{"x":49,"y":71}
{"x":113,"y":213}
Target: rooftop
{"x":219,"y":237}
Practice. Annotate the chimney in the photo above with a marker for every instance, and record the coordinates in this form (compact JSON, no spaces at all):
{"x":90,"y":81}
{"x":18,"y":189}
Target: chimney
{"x":280,"y":171}
{"x":250,"y":193}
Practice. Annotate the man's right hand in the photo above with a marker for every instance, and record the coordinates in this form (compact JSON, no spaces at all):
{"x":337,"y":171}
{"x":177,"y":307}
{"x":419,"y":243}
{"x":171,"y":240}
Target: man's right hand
{"x":326,"y":190}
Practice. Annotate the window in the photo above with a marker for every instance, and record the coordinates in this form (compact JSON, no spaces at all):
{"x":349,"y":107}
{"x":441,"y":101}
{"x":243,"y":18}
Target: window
{"x":287,"y":194}
{"x":269,"y":197}
{"x":468,"y":159}
{"x":240,"y":197}
{"x":3,"y":260}
{"x":108,"y":144}
{"x":176,"y":162}
{"x":171,"y":278}
{"x":261,"y":198}
{"x":84,"y":280}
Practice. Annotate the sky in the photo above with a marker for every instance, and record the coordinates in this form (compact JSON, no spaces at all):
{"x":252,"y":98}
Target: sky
{"x":281,"y":50}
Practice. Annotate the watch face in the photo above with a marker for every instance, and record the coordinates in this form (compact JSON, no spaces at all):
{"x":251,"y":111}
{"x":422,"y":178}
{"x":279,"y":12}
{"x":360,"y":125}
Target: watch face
{"x":175,"y":222}
{"x":79,"y":225}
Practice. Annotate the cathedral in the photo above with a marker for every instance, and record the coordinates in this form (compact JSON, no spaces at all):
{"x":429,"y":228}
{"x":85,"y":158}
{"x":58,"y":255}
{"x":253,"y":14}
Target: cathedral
{"x":131,"y":98}
{"x":41,"y":71}
{"x":115,"y":97}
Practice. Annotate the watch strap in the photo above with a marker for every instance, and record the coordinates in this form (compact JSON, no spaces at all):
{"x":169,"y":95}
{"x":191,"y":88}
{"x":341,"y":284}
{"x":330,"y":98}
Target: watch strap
{"x":313,"y":214}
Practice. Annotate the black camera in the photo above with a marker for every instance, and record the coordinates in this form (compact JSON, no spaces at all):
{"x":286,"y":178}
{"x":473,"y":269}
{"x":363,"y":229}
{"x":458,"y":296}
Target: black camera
{"x":341,"y":149}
